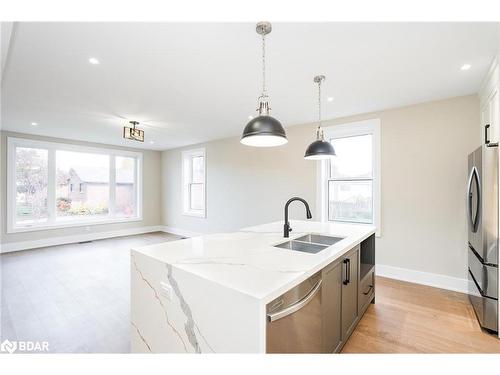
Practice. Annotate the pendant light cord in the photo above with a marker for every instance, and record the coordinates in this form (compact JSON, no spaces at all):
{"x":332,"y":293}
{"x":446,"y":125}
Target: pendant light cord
{"x":319,"y":103}
{"x":264,"y":89}
{"x":319,"y":134}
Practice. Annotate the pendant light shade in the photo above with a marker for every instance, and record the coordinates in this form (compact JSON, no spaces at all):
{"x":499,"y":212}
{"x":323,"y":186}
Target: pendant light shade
{"x":319,"y":149}
{"x":264,"y":130}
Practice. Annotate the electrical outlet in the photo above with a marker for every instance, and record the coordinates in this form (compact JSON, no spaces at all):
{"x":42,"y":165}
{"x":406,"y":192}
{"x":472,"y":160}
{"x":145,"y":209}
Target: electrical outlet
{"x":166,"y":290}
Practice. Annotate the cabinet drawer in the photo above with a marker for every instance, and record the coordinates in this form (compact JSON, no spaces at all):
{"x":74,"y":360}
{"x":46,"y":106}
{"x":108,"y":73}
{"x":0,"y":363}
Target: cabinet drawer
{"x":366,"y":289}
{"x":486,"y":275}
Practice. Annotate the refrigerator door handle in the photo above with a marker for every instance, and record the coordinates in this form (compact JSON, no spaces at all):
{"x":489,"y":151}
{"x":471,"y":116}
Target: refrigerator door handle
{"x":473,"y":219}
{"x":469,"y":199}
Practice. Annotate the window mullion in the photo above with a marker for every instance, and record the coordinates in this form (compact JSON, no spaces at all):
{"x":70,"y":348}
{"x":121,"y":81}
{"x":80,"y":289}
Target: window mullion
{"x":12,"y":185}
{"x":136,"y":187}
{"x":351,"y":179}
{"x":112,"y":185}
{"x":51,"y":186}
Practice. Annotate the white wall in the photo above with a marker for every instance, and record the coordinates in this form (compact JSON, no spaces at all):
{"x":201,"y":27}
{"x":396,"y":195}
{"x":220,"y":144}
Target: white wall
{"x":245,"y":185}
{"x":150,"y":201}
{"x":424,"y":171}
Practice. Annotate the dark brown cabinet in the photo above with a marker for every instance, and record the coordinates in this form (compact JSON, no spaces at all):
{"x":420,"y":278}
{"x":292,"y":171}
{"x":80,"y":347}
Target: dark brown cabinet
{"x":332,"y":302}
{"x":340,"y":300}
{"x":366,"y":274}
{"x":349,"y":292}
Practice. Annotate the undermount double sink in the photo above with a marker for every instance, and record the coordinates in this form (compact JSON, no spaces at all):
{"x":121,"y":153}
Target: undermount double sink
{"x":310,"y":243}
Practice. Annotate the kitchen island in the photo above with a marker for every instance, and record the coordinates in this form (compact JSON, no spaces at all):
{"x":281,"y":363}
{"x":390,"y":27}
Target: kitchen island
{"x":210,"y":294}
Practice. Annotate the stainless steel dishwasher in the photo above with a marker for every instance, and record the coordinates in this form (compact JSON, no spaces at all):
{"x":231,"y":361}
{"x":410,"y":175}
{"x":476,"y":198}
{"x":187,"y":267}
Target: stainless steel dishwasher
{"x":294,"y":319}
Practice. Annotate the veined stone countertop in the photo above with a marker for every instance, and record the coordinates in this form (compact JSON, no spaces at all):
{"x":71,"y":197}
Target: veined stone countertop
{"x":247,"y":261}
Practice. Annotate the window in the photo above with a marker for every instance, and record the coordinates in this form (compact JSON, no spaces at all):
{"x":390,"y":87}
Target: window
{"x":54,"y":185}
{"x":193,"y":182}
{"x":79,"y":169}
{"x":31,"y":183}
{"x":349,"y":184}
{"x":125,"y":190}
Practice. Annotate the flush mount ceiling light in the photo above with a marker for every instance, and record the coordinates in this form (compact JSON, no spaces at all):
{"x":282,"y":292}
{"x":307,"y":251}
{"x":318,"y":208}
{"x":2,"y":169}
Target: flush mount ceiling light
{"x":133,"y":133}
{"x":263,"y":130}
{"x":34,"y":124}
{"x":93,"y":61}
{"x":465,"y":67}
{"x":319,"y":149}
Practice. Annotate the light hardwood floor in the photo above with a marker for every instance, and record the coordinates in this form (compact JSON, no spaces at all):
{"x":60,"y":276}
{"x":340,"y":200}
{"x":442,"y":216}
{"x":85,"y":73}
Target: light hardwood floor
{"x":76,"y":296}
{"x":412,"y":318}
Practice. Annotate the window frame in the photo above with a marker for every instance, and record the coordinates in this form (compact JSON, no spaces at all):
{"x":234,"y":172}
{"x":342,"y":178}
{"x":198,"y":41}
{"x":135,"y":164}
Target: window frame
{"x":187,"y":157}
{"x":352,"y":129}
{"x":52,"y":147}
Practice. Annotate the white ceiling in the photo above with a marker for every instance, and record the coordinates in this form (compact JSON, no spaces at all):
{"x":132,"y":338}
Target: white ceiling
{"x":193,"y":82}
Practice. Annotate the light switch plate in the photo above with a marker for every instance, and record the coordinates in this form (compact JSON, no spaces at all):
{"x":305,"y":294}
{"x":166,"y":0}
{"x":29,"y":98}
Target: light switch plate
{"x":166,"y":290}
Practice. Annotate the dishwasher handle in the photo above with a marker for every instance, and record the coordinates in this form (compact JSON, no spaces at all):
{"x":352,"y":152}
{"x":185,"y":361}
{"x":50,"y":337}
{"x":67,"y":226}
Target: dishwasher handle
{"x":296,"y":306}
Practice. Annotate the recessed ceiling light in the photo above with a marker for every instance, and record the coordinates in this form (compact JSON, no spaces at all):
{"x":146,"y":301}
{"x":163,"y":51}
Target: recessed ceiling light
{"x":152,"y":142}
{"x":466,"y":67}
{"x":93,"y":61}
{"x":330,"y":98}
{"x":34,"y":124}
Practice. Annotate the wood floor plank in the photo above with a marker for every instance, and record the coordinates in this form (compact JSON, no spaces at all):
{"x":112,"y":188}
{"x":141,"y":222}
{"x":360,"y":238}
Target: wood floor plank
{"x":413,"y":318}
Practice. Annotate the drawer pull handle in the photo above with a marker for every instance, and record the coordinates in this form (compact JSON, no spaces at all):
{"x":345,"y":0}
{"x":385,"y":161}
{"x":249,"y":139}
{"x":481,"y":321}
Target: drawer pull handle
{"x":347,"y":263}
{"x":368,"y":291}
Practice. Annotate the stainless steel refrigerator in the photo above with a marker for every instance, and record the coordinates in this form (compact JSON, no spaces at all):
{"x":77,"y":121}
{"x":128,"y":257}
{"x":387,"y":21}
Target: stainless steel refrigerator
{"x":482,"y":213}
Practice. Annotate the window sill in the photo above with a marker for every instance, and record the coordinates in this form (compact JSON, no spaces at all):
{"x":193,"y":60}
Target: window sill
{"x":195,"y":214}
{"x":378,"y":233}
{"x":72,"y":225}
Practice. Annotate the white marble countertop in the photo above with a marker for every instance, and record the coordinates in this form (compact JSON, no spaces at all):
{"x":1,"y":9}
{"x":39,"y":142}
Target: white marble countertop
{"x":247,"y":262}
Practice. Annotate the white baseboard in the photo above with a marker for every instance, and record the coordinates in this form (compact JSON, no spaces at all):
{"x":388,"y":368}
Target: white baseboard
{"x":54,"y":241}
{"x":425,"y":278}
{"x":180,"y":232}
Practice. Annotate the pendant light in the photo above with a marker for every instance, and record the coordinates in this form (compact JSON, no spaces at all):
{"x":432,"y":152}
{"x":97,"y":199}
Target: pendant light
{"x":319,"y":149}
{"x":133,"y":133}
{"x":263,"y":130}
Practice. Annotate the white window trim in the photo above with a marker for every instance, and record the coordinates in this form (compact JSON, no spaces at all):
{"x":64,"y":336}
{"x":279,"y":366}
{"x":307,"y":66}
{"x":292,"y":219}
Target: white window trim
{"x":186,"y":210}
{"x":351,"y":129}
{"x":12,"y":143}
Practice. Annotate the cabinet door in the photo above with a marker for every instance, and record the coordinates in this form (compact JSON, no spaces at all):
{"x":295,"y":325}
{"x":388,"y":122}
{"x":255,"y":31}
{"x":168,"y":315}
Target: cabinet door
{"x":494,"y":117}
{"x":485,"y":118}
{"x":332,"y":301}
{"x":349,"y":292}
{"x":489,"y":115}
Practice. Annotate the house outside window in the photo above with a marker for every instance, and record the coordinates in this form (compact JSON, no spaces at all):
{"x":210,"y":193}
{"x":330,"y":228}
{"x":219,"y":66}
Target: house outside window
{"x":194,"y":182}
{"x":349,"y":183}
{"x":54,"y":185}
